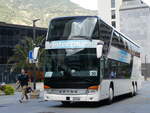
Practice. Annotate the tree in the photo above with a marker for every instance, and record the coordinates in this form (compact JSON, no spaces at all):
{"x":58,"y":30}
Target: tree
{"x":20,"y":57}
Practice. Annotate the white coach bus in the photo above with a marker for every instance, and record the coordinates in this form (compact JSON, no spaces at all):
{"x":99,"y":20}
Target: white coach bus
{"x":87,"y":61}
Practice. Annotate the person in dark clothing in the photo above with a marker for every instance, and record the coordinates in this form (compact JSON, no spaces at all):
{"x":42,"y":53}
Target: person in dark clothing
{"x":23,"y":80}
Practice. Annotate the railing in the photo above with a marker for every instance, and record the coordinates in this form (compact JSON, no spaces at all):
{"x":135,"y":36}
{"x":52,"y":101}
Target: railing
{"x":5,"y":74}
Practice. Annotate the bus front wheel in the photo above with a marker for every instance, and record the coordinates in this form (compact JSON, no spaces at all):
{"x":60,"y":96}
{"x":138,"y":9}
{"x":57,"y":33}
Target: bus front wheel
{"x":111,"y":95}
{"x":132,"y":91}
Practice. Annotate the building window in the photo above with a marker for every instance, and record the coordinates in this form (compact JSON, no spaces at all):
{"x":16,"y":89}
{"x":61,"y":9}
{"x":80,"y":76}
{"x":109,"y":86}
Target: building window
{"x":113,"y":23}
{"x":112,"y":3}
{"x":113,"y":14}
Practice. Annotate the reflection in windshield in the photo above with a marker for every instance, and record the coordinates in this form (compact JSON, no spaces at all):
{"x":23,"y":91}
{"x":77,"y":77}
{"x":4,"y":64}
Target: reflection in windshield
{"x":79,"y":63}
{"x":72,"y":27}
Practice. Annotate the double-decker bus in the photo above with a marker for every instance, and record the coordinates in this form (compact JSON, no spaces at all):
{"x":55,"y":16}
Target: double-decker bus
{"x":87,"y":61}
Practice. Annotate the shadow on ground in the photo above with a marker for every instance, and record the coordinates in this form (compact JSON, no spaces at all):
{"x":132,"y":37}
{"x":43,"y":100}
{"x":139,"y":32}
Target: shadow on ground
{"x":94,"y":104}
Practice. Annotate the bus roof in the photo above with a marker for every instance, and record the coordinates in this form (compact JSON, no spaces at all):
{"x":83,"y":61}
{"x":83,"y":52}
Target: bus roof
{"x":126,"y":37}
{"x":74,"y":17}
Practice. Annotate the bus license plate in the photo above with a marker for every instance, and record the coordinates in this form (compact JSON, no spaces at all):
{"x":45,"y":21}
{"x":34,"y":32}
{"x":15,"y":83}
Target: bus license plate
{"x":76,"y":98}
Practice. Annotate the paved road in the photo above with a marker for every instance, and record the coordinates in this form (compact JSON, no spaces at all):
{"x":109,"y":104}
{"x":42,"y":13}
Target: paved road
{"x":137,"y":104}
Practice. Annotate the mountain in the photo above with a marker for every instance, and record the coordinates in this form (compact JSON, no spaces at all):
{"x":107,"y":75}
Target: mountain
{"x":24,"y":11}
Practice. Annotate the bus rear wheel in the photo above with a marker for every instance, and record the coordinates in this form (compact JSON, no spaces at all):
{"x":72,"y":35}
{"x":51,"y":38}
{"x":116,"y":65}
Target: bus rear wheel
{"x":135,"y":89}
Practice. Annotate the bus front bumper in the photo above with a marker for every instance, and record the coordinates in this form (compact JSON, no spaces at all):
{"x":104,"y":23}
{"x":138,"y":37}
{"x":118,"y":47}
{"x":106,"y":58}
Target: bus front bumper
{"x":72,"y":98}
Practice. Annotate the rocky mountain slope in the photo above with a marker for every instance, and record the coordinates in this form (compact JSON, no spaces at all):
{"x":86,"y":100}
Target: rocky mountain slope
{"x":24,"y":11}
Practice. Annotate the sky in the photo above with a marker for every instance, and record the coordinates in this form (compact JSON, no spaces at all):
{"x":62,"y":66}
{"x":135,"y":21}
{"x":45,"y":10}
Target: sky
{"x":146,"y":1}
{"x":88,"y":4}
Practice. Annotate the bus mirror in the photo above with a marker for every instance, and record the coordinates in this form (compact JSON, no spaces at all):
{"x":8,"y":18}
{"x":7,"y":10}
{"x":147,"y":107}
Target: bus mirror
{"x":35,"y":52}
{"x":99,"y":50}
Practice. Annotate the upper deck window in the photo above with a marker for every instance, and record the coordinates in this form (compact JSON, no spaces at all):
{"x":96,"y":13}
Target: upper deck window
{"x":105,"y":35}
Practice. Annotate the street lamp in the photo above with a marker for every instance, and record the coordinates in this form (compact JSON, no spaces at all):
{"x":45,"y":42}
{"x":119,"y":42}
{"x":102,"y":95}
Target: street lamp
{"x":34,"y":36}
{"x":34,"y":31}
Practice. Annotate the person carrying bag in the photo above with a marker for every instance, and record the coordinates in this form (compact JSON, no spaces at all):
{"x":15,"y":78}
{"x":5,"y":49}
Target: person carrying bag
{"x":23,"y":80}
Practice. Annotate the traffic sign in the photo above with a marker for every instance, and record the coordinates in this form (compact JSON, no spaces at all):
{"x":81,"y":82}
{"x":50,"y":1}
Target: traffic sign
{"x":30,"y":55}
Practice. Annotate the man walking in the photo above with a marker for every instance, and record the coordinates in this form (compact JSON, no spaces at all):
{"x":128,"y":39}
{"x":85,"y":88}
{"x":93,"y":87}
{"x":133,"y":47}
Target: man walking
{"x":23,"y":80}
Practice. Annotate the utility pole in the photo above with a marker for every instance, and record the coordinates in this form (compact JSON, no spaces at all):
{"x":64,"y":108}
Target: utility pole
{"x":34,"y":36}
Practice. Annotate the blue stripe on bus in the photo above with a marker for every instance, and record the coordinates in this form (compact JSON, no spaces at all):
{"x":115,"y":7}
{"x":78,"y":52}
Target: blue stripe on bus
{"x":123,"y":56}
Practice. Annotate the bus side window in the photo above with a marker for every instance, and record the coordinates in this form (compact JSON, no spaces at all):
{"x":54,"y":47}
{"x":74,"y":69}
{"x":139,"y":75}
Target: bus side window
{"x":105,"y":35}
{"x":115,"y":40}
{"x":121,"y":44}
{"x":124,"y":70}
{"x":95,"y":34}
{"x":106,"y":70}
{"x":126,"y":46}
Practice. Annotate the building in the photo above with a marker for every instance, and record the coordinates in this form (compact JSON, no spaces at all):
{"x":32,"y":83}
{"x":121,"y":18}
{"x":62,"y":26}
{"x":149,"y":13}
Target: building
{"x":134,"y":22}
{"x":134,"y":17}
{"x":104,"y":7}
{"x":146,"y":70}
{"x":108,"y":10}
{"x":10,"y":35}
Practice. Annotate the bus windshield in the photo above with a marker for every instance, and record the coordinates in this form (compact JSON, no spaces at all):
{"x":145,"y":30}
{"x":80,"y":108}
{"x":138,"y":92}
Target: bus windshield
{"x":72,"y":65}
{"x":71,"y":28}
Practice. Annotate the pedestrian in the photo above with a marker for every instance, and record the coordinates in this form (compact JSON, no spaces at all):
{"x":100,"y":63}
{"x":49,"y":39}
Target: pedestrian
{"x":23,"y":80}
{"x":113,"y":74}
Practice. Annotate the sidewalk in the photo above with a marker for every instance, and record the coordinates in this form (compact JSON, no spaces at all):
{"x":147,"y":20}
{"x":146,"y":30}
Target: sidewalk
{"x":14,"y":99}
{"x":10,"y":99}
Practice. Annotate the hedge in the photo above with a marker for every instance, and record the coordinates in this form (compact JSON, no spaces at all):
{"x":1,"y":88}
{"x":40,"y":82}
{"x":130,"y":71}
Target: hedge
{"x":8,"y":90}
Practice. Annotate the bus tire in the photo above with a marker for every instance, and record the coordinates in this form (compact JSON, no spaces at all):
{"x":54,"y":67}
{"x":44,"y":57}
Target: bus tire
{"x":111,"y":96}
{"x":135,"y":90}
{"x":132,"y":91}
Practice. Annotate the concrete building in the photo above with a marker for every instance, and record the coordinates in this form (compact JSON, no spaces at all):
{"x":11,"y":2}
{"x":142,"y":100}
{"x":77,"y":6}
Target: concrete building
{"x":134,"y":22}
{"x":146,"y":70}
{"x":104,"y":7}
{"x":108,"y":10}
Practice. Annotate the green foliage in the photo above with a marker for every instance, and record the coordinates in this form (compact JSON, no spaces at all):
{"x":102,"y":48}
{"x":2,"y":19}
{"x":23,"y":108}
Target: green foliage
{"x":9,"y":90}
{"x":21,"y":50}
{"x":0,"y":92}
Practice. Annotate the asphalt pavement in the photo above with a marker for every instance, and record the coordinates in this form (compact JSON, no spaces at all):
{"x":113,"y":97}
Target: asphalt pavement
{"x":123,"y":104}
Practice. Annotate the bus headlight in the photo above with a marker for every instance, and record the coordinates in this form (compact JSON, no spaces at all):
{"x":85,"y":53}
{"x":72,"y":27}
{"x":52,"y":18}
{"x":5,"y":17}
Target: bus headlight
{"x":47,"y":91}
{"x":94,"y":87}
{"x":91,"y":91}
